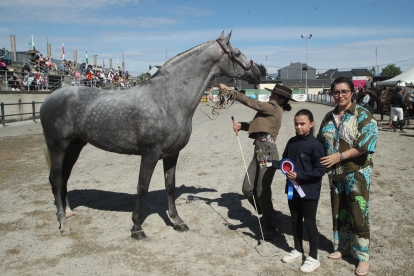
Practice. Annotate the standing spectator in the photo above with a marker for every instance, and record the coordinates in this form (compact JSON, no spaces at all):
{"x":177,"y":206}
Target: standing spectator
{"x":127,"y":75}
{"x":349,"y":134}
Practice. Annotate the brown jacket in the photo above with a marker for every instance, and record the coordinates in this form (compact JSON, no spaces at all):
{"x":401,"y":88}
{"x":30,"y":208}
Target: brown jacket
{"x":268,"y":117}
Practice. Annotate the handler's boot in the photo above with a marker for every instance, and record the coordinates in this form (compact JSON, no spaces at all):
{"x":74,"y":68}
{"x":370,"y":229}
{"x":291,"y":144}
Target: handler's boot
{"x":401,"y":127}
{"x":394,"y":126}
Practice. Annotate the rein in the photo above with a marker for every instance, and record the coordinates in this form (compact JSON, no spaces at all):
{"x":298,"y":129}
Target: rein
{"x":234,"y":59}
{"x":225,"y":100}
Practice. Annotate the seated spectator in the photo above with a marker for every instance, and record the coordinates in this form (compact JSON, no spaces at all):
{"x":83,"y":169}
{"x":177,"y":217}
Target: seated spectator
{"x":53,"y":65}
{"x":116,"y":79}
{"x":127,"y":75}
{"x":83,"y":66}
{"x":3,"y":55}
{"x":17,"y":80}
{"x":3,"y":67}
{"x":89,"y":79}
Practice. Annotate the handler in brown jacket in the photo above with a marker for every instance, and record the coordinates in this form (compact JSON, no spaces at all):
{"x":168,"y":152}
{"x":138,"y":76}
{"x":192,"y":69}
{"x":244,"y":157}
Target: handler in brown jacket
{"x":264,"y":129}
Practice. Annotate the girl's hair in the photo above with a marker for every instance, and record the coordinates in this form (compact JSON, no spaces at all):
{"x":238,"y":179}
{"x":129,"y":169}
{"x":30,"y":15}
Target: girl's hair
{"x":286,"y":106}
{"x":306,"y":112}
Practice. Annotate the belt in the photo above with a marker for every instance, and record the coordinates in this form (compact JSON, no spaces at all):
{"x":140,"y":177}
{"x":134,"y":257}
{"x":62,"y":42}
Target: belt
{"x":264,"y":137}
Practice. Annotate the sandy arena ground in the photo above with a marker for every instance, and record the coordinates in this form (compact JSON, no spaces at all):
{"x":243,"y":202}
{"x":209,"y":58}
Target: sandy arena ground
{"x":224,"y":232}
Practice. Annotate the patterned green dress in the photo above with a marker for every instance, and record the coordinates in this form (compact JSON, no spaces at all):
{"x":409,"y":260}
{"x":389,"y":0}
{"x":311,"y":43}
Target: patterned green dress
{"x":350,"y":179}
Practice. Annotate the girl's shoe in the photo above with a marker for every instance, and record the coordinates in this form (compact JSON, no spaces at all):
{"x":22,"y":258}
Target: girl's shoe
{"x":310,"y":265}
{"x":292,"y":256}
{"x":362,"y":271}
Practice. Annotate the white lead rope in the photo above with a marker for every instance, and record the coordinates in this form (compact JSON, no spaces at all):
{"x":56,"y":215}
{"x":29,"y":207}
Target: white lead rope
{"x":254,"y":201}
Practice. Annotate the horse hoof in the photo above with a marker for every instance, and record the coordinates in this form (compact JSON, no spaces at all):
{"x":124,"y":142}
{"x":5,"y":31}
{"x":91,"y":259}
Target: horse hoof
{"x":182,"y":227}
{"x":138,"y":235}
{"x":65,"y":231}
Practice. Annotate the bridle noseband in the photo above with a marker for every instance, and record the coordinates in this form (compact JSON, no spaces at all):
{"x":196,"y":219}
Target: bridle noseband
{"x":234,"y":59}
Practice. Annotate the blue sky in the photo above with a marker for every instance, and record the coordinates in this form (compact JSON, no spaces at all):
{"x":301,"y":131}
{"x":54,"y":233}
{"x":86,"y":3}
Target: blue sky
{"x":344,"y":33}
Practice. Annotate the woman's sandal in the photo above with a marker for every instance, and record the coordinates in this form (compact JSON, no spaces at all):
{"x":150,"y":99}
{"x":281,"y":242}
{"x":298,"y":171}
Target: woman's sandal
{"x":362,"y":271}
{"x":339,"y":255}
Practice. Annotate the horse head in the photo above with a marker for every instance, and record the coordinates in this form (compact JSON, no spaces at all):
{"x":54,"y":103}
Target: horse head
{"x":235,"y":64}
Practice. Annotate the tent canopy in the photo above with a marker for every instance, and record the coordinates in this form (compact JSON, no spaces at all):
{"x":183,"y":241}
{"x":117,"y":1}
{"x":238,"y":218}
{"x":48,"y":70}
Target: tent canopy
{"x":401,"y":80}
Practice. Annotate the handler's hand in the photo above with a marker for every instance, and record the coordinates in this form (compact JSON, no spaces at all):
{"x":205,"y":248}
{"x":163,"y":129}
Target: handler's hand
{"x":291,"y":175}
{"x":236,"y":127}
{"x":331,"y":160}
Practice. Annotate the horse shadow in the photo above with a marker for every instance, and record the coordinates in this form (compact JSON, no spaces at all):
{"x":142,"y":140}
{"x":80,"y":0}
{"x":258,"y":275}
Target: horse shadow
{"x":155,"y":201}
{"x":233,"y":203}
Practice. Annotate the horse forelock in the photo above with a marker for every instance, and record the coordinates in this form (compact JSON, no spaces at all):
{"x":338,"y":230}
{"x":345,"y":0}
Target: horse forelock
{"x":178,"y":57}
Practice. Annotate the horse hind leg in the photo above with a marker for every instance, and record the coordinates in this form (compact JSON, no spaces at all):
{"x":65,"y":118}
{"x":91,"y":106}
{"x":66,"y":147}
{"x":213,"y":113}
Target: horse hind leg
{"x":169,"y":174}
{"x":61,"y":165}
{"x":148,"y":163}
{"x":71,"y":156}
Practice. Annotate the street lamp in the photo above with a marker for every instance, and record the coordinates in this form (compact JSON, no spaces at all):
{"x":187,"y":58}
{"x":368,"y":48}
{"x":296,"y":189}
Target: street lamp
{"x":306,"y":73}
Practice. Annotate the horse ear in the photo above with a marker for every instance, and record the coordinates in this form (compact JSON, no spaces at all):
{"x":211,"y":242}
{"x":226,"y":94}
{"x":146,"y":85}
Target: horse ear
{"x":227,"y":38}
{"x":222,"y":35}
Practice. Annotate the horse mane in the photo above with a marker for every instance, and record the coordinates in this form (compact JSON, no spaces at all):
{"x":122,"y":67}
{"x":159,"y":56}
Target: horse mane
{"x":175,"y":58}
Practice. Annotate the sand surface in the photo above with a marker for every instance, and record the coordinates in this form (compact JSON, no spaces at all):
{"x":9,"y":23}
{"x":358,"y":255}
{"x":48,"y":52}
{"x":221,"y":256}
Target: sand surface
{"x":224,"y":232}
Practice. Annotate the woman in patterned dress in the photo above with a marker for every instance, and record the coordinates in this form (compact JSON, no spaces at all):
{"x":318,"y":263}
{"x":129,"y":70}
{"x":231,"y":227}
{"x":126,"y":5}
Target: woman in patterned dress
{"x":349,"y":134}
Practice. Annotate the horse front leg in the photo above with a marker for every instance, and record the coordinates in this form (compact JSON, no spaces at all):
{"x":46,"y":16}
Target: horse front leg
{"x":148,"y":163}
{"x":169,"y":174}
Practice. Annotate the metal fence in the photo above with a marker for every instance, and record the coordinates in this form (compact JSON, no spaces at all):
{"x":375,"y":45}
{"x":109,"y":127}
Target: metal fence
{"x":33,"y":113}
{"x":321,"y":99}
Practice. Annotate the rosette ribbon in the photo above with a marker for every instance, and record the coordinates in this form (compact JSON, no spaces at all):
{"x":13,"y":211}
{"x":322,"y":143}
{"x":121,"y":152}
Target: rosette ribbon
{"x":287,"y":165}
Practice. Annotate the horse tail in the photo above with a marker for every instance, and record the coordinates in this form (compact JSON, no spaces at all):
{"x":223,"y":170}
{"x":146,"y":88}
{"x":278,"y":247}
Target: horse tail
{"x":46,"y":151}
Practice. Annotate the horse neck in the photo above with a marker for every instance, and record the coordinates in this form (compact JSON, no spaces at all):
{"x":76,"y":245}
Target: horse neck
{"x":187,"y":76}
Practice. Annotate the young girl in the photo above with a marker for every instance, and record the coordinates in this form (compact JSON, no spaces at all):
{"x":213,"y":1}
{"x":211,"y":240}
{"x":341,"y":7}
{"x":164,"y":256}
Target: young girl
{"x":304,"y":150}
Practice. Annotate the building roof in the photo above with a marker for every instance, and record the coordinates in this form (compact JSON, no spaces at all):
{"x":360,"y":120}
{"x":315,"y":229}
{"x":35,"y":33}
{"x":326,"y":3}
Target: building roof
{"x":296,"y":64}
{"x":360,"y":72}
{"x":328,"y":74}
{"x":311,"y":83}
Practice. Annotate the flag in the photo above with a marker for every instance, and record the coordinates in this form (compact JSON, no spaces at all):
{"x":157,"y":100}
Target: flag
{"x":117,"y":66}
{"x":103,"y":60}
{"x":32,"y":44}
{"x":87,"y":62}
{"x":63,"y":52}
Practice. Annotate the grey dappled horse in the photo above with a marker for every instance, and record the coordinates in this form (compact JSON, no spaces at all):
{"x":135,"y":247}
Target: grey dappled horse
{"x":152,"y":119}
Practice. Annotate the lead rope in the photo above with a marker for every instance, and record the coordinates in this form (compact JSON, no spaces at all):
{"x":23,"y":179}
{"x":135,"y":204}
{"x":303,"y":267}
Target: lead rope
{"x":225,"y":100}
{"x":248,"y":177}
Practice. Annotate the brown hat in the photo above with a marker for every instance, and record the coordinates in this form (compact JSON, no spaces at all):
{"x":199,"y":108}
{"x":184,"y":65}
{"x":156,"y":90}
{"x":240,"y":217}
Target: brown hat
{"x":283,"y":91}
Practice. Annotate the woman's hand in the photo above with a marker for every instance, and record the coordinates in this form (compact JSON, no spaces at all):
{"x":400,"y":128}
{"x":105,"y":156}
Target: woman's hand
{"x":331,"y":160}
{"x":291,"y":175}
{"x":237,"y":127}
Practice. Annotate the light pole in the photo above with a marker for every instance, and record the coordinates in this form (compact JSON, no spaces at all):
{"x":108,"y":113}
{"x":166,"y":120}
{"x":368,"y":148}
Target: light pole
{"x":306,"y":68}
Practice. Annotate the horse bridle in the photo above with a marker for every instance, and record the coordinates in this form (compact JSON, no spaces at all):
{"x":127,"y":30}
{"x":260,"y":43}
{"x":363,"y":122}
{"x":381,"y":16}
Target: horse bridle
{"x":234,"y":59}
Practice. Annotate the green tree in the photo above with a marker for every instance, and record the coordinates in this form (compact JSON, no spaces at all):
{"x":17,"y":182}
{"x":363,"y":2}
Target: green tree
{"x":372,"y":72}
{"x":391,"y":70}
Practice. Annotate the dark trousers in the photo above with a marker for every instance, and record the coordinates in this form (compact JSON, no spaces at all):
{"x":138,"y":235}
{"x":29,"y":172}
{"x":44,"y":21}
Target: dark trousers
{"x":304,"y":209}
{"x":261,"y":180}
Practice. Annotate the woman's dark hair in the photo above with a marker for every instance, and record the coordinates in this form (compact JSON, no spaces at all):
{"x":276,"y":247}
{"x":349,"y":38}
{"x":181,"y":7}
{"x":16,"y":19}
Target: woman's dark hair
{"x":342,"y":80}
{"x":306,"y":112}
{"x":286,"y":106}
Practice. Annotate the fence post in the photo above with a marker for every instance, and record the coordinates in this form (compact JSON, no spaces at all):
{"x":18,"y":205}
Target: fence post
{"x":20,"y":110}
{"x":3,"y":121}
{"x":7,"y":82}
{"x":34,"y":111}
